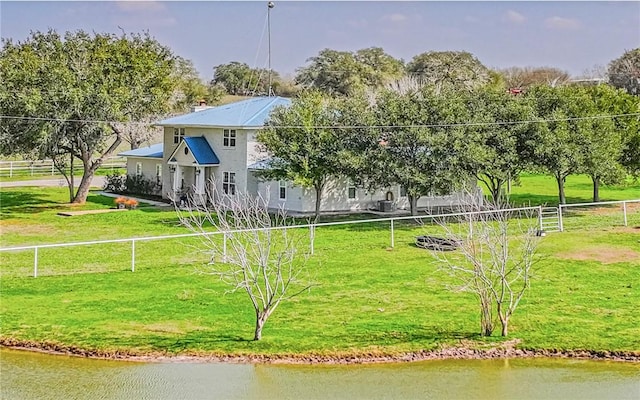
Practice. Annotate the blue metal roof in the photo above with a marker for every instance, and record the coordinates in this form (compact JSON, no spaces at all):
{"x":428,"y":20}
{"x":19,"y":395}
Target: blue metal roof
{"x":202,"y":152}
{"x":153,"y":151}
{"x":252,"y":112}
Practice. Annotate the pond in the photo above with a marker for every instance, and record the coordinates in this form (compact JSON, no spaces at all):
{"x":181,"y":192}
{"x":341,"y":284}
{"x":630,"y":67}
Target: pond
{"x":26,"y":375}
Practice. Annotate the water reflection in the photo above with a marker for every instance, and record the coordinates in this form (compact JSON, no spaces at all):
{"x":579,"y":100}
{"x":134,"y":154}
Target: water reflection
{"x":26,"y":375}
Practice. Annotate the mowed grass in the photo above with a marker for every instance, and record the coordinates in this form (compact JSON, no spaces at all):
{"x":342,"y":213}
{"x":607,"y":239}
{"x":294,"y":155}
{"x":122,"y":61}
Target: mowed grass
{"x":369,"y":297}
{"x":543,"y":190}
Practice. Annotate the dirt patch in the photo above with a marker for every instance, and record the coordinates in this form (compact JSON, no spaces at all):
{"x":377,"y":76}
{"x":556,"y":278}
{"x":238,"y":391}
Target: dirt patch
{"x":8,"y":227}
{"x":603,"y":254}
{"x":504,"y":350}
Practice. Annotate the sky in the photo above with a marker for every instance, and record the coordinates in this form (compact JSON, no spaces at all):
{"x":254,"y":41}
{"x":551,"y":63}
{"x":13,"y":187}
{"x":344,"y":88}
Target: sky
{"x":573,"y":36}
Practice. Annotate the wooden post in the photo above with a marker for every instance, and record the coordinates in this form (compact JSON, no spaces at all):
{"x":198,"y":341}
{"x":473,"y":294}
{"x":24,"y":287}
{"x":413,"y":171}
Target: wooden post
{"x":624,"y":212}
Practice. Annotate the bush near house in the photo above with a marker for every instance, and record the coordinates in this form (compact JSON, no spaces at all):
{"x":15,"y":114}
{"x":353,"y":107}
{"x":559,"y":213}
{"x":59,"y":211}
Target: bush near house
{"x":128,"y":184}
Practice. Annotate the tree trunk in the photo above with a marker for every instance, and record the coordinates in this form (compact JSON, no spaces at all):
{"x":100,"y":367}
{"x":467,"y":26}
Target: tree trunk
{"x":413,"y":203}
{"x":85,"y":183}
{"x":318,"y":188}
{"x":83,"y":188}
{"x":261,"y":319}
{"x":71,"y":182}
{"x":596,"y":188}
{"x":505,"y":328}
{"x":560,"y":181}
{"x":486,"y":319}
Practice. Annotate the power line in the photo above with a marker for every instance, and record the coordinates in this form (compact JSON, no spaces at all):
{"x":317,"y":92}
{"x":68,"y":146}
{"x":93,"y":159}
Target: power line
{"x":450,"y":125}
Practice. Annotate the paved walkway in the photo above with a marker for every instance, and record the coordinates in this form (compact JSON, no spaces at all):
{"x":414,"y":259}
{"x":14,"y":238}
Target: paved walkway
{"x":97,"y":181}
{"x":152,"y":202}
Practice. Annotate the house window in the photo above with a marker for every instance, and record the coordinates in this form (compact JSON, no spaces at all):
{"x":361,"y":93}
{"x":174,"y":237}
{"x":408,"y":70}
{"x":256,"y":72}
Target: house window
{"x":403,"y":191}
{"x":178,"y":134}
{"x":158,"y":173}
{"x":283,"y":190}
{"x":139,"y":169}
{"x":229,"y":183}
{"x":229,"y":138}
{"x":351,"y":191}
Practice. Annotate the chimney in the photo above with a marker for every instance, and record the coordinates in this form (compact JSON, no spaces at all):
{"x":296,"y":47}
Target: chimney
{"x":202,"y":105}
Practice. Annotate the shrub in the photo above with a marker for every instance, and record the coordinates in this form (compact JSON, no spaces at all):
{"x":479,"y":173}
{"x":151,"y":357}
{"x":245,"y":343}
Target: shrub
{"x":115,"y":183}
{"x":139,"y":185}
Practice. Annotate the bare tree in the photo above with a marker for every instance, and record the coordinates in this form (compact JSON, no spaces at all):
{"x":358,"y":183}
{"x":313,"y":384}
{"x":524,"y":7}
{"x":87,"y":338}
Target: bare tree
{"x":260,"y":253}
{"x":519,"y":77}
{"x":140,"y":132}
{"x":497,"y":248}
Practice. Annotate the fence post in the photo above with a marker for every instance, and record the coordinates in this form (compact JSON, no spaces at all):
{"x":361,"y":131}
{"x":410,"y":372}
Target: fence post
{"x":624,"y":212}
{"x":52,"y":168}
{"x":312,"y":237}
{"x":133,"y":255}
{"x":31,"y":168}
{"x":35,"y":263}
{"x":224,"y":246}
{"x":392,"y":239}
{"x":540,"y":217}
{"x":10,"y":169}
{"x":560,"y":222}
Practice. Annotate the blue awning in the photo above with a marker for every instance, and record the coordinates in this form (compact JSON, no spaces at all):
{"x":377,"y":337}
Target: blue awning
{"x":201,"y":151}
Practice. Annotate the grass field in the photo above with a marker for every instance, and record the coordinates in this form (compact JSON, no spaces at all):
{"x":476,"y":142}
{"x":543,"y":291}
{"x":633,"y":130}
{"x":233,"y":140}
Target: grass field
{"x":369,"y":299}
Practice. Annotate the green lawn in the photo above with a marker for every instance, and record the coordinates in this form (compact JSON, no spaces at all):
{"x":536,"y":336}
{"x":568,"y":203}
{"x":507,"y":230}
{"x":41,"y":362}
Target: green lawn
{"x":370,"y":298}
{"x":542,"y":189}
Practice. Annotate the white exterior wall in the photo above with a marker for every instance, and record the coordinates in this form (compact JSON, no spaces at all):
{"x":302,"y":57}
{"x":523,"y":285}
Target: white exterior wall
{"x":335,"y":198}
{"x":148,"y":167}
{"x":232,"y":159}
{"x":270,"y":191}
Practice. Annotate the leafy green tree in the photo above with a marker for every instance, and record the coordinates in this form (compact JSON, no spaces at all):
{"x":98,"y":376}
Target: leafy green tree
{"x":624,"y":72}
{"x":345,"y":73}
{"x":378,"y":67}
{"x":420,"y":150}
{"x":603,"y":138}
{"x":449,"y":70}
{"x":190,"y":89}
{"x":67,"y":93}
{"x":235,"y":77}
{"x":239,"y":79}
{"x":495,"y":148}
{"x":557,"y":145}
{"x":303,"y":145}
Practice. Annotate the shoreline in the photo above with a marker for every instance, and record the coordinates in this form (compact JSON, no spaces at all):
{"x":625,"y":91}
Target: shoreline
{"x":505,"y":350}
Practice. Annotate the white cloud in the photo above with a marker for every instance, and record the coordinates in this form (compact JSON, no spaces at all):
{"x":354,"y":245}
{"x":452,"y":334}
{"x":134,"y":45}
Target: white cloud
{"x":514,"y":17}
{"x":137,"y":6}
{"x":561,"y":23}
{"x":395,"y":17}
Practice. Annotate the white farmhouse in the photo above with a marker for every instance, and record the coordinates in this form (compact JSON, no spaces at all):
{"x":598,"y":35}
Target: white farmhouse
{"x":218,"y":144}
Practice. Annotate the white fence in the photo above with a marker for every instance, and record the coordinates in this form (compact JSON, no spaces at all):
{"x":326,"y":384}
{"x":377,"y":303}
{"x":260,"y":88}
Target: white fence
{"x":46,"y":167}
{"x":535,"y":211}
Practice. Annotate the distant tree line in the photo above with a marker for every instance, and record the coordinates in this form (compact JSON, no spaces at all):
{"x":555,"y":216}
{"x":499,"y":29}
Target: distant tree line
{"x":76,"y":97}
{"x":433,"y":140}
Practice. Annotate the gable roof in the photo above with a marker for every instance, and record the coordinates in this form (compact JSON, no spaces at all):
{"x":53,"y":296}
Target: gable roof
{"x":252,"y":112}
{"x":153,"y":151}
{"x":199,"y":148}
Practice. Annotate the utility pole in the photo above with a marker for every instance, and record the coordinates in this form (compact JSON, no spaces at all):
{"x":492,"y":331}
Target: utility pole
{"x":270,"y":5}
